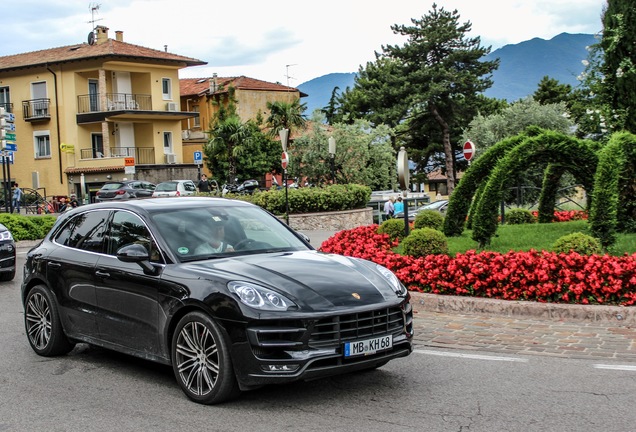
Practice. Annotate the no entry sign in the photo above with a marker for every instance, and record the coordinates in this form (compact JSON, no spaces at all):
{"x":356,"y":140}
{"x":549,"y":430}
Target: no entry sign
{"x":284,"y":160}
{"x":469,"y":150}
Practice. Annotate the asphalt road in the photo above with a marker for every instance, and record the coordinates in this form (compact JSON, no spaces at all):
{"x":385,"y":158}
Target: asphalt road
{"x":442,"y":386}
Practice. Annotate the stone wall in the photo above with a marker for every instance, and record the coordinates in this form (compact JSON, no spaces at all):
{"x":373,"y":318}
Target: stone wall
{"x":334,"y":221}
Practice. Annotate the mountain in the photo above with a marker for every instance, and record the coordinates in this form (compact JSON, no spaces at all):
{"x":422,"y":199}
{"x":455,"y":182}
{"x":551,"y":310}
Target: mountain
{"x":522,"y":66}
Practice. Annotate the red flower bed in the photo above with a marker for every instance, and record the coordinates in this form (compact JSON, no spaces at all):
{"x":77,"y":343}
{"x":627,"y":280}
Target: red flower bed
{"x":565,"y":216}
{"x":537,"y":276}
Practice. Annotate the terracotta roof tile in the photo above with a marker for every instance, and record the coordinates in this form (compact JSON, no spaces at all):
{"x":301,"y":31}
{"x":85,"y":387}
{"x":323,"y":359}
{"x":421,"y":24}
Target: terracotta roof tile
{"x":199,"y":86}
{"x":107,"y":50}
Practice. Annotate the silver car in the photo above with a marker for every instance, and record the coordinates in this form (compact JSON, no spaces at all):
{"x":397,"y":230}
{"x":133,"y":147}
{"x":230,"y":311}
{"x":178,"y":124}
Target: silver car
{"x":173,"y":188}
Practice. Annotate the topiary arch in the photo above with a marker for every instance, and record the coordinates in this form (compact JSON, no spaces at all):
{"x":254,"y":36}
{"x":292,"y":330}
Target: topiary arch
{"x":574,"y":155}
{"x":615,"y":177}
{"x":478,"y":172}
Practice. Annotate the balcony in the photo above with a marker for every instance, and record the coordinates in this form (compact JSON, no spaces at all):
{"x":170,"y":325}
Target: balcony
{"x":8,"y":107}
{"x":36,"y":110}
{"x":93,"y":108}
{"x":113,"y":102}
{"x":142,"y":155}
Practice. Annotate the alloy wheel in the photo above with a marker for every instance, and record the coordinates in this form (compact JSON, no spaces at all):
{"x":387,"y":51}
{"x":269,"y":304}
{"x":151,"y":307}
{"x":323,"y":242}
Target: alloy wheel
{"x":197,"y":358}
{"x":38,"y":318}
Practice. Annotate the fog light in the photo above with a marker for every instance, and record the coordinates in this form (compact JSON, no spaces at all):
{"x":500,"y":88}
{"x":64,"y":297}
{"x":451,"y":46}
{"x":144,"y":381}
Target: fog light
{"x":280,"y":368}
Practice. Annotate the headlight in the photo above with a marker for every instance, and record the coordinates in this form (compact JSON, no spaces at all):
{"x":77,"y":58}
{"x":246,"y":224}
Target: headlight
{"x":397,"y":286}
{"x":5,"y":235}
{"x":258,"y":297}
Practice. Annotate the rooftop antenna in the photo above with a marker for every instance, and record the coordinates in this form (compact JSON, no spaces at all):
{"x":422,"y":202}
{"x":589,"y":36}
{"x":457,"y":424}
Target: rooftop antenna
{"x":287,"y":72}
{"x":93,"y":8}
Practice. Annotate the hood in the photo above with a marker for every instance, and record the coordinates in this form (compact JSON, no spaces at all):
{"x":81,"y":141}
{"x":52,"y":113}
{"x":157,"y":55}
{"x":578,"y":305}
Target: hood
{"x":315,"y":281}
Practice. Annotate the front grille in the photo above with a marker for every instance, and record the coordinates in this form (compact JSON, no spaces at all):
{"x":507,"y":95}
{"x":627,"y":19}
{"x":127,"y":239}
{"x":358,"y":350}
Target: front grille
{"x":332,"y":332}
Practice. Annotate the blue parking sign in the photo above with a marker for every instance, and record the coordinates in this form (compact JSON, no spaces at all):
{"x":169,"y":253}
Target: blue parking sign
{"x":198,"y":157}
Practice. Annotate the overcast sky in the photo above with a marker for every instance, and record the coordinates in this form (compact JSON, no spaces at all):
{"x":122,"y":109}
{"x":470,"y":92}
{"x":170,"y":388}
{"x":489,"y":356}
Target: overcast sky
{"x":286,"y":41}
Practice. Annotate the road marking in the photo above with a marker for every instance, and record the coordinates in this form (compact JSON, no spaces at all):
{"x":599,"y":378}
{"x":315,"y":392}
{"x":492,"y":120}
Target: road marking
{"x":471,"y":356}
{"x":615,"y":367}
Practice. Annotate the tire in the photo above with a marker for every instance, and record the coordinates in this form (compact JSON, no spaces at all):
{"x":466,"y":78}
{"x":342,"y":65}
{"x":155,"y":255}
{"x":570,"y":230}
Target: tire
{"x":43,"y":326}
{"x":201,"y":360}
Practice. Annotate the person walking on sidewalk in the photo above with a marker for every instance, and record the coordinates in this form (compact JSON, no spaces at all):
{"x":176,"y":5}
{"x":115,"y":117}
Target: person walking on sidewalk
{"x":17,"y":197}
{"x":389,"y":210}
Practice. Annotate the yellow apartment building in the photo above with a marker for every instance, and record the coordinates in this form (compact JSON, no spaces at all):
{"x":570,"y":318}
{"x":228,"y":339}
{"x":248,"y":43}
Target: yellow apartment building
{"x":95,"y":111}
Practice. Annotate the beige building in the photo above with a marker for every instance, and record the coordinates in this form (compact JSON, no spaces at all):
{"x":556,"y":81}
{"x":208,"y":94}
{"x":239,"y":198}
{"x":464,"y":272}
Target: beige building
{"x":99,"y":110}
{"x":205,"y":96}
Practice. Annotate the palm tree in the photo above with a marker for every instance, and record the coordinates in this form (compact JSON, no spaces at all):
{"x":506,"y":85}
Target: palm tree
{"x":285,"y":115}
{"x":232,"y":135}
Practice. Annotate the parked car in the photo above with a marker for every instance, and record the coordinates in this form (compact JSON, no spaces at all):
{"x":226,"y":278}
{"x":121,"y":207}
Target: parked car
{"x":153,"y":280}
{"x":126,"y":189}
{"x":438,"y":206}
{"x":175,"y":188}
{"x":7,"y":254}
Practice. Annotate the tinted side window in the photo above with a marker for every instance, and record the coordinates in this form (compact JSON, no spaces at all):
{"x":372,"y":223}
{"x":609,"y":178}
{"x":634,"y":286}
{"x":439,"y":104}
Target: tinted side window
{"x":85,"y":231}
{"x":189,"y":186}
{"x":127,"y":228}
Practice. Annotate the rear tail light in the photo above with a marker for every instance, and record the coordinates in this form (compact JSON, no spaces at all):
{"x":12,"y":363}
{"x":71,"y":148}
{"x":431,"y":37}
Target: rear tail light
{"x":120,"y":192}
{"x":178,"y":193}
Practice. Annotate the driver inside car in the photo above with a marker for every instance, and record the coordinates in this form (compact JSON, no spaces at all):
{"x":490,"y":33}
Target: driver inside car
{"x":216,"y":243}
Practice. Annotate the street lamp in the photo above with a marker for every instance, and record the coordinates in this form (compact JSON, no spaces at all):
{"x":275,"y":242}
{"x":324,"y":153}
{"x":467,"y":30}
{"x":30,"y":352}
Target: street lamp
{"x":284,"y":136}
{"x":332,"y":156}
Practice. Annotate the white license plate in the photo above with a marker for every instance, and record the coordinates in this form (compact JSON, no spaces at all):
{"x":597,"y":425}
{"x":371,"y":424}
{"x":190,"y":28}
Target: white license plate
{"x":368,"y":346}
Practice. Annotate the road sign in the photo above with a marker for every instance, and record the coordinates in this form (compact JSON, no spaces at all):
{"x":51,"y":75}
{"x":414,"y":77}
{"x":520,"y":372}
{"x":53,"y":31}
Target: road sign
{"x":7,"y":135}
{"x":284,"y":160}
{"x":9,"y":146}
{"x":198,"y":157}
{"x":469,"y":150}
{"x":129,"y":161}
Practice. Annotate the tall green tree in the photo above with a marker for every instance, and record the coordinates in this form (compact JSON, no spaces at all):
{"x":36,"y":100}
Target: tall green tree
{"x":435,"y":78}
{"x":550,"y":91}
{"x":364,"y":154}
{"x":619,"y":66}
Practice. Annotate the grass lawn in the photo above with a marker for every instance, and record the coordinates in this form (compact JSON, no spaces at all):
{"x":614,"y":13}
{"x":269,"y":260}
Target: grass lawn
{"x":534,"y":236}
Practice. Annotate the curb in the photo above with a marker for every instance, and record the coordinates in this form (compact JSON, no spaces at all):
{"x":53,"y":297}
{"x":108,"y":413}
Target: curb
{"x":619,"y":315}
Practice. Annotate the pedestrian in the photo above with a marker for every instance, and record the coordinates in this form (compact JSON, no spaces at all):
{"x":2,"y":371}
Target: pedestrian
{"x":17,"y":197}
{"x":398,"y":207}
{"x":203,"y":185}
{"x":389,"y":210}
{"x":73,"y":203}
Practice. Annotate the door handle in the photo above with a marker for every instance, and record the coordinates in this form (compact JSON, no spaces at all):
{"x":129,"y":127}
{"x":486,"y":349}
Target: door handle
{"x":54,"y":265}
{"x":102,"y":274}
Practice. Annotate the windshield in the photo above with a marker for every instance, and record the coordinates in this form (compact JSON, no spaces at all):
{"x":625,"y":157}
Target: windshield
{"x":197,"y":233}
{"x":168,"y":186}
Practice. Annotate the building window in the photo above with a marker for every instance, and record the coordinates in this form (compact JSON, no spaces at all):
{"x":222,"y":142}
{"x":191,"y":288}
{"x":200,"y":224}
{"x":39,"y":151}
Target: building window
{"x":5,"y":100}
{"x":42,"y":142}
{"x":196,"y":121}
{"x":166,"y":88}
{"x":167,"y":142}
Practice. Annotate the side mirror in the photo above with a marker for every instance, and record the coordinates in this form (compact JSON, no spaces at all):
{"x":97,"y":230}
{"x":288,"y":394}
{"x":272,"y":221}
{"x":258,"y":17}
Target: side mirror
{"x":136,"y":253}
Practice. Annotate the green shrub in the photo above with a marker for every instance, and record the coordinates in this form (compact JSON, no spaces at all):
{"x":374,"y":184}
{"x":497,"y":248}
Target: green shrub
{"x":429,"y":219}
{"x":310,"y":200}
{"x":27,"y":227}
{"x":577,"y":242}
{"x":519,"y":216}
{"x":393,"y":227}
{"x":425,"y":241}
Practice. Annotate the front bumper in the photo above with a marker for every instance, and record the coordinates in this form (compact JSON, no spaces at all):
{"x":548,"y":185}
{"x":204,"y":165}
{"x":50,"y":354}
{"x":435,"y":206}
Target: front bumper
{"x":283,"y":351}
{"x":7,"y":257}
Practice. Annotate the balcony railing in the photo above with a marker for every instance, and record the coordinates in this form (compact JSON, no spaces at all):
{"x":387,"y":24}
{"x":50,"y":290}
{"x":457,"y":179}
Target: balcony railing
{"x":8,"y":107}
{"x":142,"y":155}
{"x":113,"y":102}
{"x":36,"y":109}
